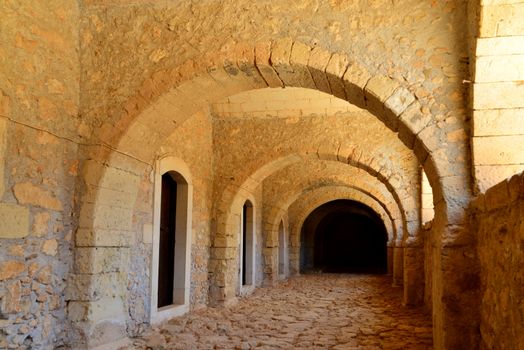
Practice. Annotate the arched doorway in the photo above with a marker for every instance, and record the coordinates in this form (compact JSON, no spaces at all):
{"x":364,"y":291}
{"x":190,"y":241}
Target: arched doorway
{"x":343,"y":236}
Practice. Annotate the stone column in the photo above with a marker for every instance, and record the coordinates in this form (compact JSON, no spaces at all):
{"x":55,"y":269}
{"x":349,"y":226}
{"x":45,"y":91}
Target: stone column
{"x":390,"y":259}
{"x":97,"y":288}
{"x":398,"y":264}
{"x":270,"y":255}
{"x":414,"y":273}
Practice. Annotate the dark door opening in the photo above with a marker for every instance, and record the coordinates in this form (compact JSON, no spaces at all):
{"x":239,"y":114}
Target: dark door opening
{"x":166,"y":262}
{"x":343,"y":236}
{"x":244,"y":244}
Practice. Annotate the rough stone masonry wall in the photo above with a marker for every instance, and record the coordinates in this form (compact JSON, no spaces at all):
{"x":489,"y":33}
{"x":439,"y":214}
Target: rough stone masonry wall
{"x":192,"y":143}
{"x":111,"y":283}
{"x":39,"y":132}
{"x":498,"y":221}
{"x":420,"y":43}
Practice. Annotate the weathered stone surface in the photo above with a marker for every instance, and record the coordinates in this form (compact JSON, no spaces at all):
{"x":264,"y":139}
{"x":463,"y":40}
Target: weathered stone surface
{"x":50,"y":247}
{"x":77,"y":139}
{"x":11,"y":269}
{"x":500,"y":228}
{"x":507,"y":45}
{"x":27,"y":193}
{"x":494,"y":150}
{"x":498,"y":122}
{"x":325,"y":311}
{"x":499,"y":68}
{"x":14,"y":221}
{"x":3,"y":139}
{"x":502,"y":19}
{"x":498,"y":95}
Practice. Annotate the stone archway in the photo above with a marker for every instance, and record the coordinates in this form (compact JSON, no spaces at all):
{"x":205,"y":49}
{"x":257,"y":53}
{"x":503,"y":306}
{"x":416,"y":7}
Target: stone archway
{"x":172,"y":95}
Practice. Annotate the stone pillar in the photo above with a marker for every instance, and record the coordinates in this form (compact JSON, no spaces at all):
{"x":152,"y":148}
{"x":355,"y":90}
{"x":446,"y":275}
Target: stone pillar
{"x":456,"y":286}
{"x":225,"y":269}
{"x":413,"y":274}
{"x":96,"y":290}
{"x":294,"y":259}
{"x":270,"y":255}
{"x":398,"y":264}
{"x":390,"y":260}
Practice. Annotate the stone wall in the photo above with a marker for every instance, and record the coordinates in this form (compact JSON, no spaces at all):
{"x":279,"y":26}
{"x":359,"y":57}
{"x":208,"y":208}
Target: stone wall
{"x":498,"y":93}
{"x":498,"y":221}
{"x":92,"y":97}
{"x":39,"y":131}
{"x":120,"y":242}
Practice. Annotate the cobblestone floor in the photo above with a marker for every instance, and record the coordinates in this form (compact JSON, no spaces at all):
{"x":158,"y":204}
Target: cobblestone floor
{"x":306,"y":312}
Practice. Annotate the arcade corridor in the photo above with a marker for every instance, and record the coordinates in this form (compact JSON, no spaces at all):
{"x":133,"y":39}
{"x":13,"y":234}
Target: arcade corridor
{"x":325,"y":311}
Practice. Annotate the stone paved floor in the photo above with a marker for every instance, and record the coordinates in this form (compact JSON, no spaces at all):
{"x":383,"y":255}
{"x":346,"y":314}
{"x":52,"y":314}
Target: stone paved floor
{"x":306,"y":312}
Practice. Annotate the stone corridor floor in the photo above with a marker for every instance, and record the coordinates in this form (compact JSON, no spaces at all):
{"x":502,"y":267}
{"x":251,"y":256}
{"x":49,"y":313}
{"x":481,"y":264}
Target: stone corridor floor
{"x":306,"y":312}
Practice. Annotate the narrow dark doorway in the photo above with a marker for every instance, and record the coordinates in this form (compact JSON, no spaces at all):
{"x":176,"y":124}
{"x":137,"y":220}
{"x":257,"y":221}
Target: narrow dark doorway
{"x":344,"y":236}
{"x":166,"y":263}
{"x":244,"y":244}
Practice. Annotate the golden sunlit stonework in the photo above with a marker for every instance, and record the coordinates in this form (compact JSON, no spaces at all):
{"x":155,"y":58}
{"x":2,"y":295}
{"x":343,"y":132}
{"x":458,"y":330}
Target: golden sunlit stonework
{"x":171,"y":169}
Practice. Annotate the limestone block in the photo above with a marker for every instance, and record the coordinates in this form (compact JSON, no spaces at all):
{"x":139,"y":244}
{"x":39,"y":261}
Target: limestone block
{"x":299,"y":60}
{"x":494,"y":150}
{"x":318,"y":61}
{"x":105,"y":217}
{"x":377,"y":91}
{"x":3,"y":144}
{"x":12,"y":298}
{"x":14,"y":221}
{"x":11,"y":269}
{"x":105,"y":308}
{"x":27,"y":193}
{"x":280,"y":55}
{"x":335,"y":71}
{"x":110,"y":197}
{"x":411,"y":122}
{"x":508,"y":45}
{"x":401,"y":99}
{"x":224,"y":253}
{"x":225,"y":241}
{"x":498,"y":95}
{"x":502,"y":20}
{"x":487,"y":176}
{"x":498,"y":122}
{"x":499,"y":68}
{"x":97,"y":237}
{"x":40,"y":224}
{"x":262,"y":61}
{"x":355,"y":80}
{"x":50,"y":247}
{"x":89,"y":287}
{"x":100,"y":259}
{"x":245,"y":55}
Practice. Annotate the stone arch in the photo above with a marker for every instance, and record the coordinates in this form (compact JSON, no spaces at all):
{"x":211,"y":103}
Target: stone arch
{"x":170,"y":96}
{"x":225,"y":221}
{"x":350,"y":178}
{"x":356,"y":193}
{"x":310,"y":200}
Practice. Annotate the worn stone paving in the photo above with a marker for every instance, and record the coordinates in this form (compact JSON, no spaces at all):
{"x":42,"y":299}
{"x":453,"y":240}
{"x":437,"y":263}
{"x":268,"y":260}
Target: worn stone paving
{"x":306,"y":312}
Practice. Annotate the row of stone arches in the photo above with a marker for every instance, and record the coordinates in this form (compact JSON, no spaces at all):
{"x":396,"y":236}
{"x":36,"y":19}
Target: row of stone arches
{"x":163,"y":101}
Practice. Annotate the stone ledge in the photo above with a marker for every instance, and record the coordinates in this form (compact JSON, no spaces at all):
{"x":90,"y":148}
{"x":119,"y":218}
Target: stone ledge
{"x":499,"y":196}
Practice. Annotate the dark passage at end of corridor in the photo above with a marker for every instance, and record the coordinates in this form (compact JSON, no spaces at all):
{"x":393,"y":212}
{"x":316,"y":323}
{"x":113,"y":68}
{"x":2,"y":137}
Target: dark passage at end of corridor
{"x":343,"y":236}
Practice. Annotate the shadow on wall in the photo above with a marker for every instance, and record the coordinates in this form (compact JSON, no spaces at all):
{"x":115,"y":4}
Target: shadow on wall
{"x":343,"y":236}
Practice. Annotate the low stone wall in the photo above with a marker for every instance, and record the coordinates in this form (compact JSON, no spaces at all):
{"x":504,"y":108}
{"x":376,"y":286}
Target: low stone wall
{"x":497,"y":218}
